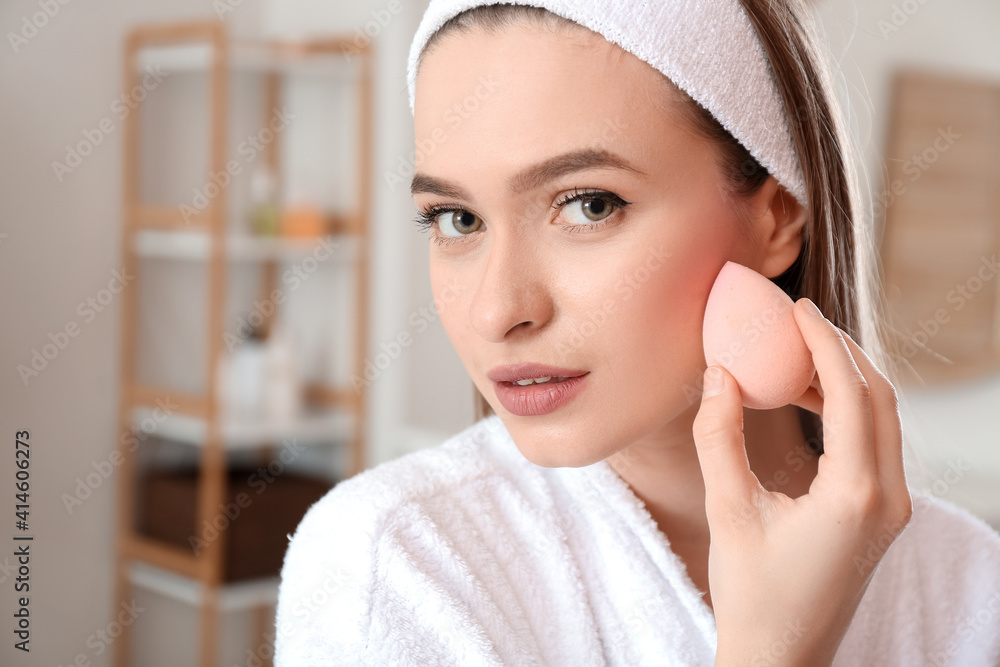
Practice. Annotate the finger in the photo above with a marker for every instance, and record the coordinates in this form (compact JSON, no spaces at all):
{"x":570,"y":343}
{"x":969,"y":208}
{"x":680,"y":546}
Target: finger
{"x":848,"y":430}
{"x":811,"y":400}
{"x":718,"y":437}
{"x":885,"y":415}
{"x":816,"y":385}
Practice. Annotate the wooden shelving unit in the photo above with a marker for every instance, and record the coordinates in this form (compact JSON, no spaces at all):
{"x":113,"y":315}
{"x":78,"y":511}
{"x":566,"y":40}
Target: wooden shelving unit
{"x":162,"y":232}
{"x":941,"y":214}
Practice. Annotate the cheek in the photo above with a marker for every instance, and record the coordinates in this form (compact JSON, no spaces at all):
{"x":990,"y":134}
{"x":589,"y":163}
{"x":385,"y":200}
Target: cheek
{"x":660,"y":303}
{"x":451,"y":296}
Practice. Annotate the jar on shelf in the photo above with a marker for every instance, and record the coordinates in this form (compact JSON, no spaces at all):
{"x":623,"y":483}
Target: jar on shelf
{"x":265,"y":215}
{"x":241,"y":375}
{"x":283,"y":389}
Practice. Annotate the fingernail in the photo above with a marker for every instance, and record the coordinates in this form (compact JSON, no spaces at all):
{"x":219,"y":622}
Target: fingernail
{"x":811,"y":308}
{"x":715,"y":382}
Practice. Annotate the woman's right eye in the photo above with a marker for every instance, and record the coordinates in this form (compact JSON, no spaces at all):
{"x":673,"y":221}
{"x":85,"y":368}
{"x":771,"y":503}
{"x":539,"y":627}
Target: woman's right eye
{"x":463,"y":222}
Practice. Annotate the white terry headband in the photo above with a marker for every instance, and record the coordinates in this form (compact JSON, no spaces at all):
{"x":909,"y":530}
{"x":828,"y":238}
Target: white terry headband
{"x":708,"y":48}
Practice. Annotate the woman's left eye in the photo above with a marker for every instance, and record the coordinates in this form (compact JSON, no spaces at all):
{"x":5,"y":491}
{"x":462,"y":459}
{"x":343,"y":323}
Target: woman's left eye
{"x":590,"y":209}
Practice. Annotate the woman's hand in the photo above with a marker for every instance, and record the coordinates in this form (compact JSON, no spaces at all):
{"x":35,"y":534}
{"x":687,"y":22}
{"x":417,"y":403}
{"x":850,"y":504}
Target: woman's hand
{"x":786,"y":575}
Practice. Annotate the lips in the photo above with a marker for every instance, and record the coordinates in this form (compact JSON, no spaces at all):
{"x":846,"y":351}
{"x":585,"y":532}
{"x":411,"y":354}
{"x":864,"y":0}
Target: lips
{"x":536,"y":399}
{"x":539,"y":399}
{"x":530,"y":370}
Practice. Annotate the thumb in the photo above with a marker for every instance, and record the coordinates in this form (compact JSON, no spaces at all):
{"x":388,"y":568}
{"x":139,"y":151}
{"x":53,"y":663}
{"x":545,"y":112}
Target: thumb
{"x":718,"y":437}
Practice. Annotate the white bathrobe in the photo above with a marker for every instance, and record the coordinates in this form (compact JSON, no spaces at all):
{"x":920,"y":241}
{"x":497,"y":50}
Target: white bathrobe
{"x":468,"y":554}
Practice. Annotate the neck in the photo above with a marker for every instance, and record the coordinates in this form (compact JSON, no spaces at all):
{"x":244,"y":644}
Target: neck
{"x":663,"y":470}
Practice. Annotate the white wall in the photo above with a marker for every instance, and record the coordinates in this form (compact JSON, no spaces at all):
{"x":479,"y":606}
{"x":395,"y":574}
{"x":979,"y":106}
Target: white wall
{"x":62,"y":244}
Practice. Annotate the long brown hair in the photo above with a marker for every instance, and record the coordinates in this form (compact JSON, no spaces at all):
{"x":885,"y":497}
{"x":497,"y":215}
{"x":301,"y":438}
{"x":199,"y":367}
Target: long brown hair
{"x":837,"y":267}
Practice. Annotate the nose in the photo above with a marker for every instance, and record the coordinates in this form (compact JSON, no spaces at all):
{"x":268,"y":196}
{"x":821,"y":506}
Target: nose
{"x":514,"y":293}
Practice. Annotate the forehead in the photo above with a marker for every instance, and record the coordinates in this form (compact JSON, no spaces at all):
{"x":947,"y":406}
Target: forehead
{"x":533,"y":90}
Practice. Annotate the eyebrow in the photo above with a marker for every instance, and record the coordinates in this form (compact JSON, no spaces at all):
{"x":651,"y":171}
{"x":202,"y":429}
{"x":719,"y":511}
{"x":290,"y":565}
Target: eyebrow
{"x":534,"y":176}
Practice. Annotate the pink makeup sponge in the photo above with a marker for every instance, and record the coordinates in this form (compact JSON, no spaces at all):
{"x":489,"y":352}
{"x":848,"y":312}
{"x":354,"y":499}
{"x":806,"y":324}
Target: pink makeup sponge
{"x":750,"y":331}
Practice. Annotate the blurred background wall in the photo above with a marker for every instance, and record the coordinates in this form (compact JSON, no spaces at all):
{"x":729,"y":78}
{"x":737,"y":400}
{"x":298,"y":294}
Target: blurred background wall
{"x":60,"y":244}
{"x":953,"y":424}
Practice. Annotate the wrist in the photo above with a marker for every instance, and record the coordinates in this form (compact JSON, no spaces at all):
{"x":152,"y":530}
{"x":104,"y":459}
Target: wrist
{"x":751,"y":654}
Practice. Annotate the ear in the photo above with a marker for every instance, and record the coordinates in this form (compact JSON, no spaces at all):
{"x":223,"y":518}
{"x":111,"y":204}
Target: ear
{"x":779,"y":220}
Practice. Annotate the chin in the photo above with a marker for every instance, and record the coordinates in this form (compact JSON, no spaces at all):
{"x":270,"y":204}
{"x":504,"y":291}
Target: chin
{"x":545,"y":455}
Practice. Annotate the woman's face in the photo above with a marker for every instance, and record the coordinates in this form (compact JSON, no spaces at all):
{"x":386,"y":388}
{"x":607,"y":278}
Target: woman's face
{"x":521,"y":277}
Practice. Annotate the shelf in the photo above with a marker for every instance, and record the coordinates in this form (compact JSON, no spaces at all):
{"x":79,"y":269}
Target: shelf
{"x":195,"y":245}
{"x":249,"y":56}
{"x":299,"y":73}
{"x":232,"y":597}
{"x":326,"y":425}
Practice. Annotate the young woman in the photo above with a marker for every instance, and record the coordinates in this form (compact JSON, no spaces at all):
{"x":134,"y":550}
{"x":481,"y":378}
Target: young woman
{"x":586,"y":168}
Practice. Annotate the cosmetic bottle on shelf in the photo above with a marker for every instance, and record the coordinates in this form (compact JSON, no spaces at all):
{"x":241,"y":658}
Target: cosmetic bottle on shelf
{"x":301,"y":218}
{"x":282,"y":383}
{"x":241,"y":378}
{"x":265,"y":215}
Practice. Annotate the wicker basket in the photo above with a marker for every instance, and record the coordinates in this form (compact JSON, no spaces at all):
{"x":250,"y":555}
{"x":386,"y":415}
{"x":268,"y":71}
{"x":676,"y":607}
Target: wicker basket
{"x":255,"y":520}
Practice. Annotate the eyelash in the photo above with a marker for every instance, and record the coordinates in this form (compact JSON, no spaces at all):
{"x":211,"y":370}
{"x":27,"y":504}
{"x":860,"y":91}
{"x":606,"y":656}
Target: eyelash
{"x":426,"y":218}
